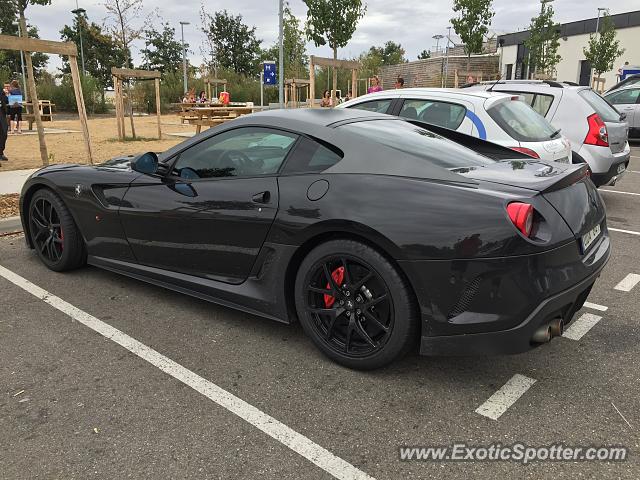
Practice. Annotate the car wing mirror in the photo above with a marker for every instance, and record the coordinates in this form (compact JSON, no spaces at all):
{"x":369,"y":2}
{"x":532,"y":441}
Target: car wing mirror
{"x":145,"y":163}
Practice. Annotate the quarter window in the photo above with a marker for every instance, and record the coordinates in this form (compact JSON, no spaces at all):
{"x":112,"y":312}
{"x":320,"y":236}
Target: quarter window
{"x":249,"y":151}
{"x":310,"y":156}
{"x":443,"y":114}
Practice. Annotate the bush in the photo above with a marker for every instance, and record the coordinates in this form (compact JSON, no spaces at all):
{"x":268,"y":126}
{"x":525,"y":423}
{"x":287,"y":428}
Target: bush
{"x":63,"y":95}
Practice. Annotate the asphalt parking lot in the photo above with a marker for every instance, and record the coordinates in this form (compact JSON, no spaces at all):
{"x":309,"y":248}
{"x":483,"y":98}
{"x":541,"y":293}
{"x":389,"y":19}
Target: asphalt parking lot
{"x":78,"y":404}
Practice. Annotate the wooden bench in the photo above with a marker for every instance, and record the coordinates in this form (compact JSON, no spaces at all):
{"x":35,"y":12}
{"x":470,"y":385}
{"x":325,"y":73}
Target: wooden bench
{"x":46,"y":112}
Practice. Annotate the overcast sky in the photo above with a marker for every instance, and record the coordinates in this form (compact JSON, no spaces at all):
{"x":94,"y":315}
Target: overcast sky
{"x":412,"y":23}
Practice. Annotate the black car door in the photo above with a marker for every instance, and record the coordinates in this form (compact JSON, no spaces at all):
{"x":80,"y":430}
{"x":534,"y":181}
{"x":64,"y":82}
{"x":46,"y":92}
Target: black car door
{"x":210,"y":215}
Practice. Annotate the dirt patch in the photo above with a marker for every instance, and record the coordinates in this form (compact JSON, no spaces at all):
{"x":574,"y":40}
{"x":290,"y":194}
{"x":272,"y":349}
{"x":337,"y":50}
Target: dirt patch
{"x":9,"y":205}
{"x":24,"y":150}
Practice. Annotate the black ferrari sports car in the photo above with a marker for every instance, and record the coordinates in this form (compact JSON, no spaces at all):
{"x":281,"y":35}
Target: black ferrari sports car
{"x":376,"y":233}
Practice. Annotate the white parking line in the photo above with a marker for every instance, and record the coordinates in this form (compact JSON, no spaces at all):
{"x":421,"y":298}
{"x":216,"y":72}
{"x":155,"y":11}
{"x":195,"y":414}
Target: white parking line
{"x":595,"y":306}
{"x":578,"y":328}
{"x":628,"y":282}
{"x":618,"y":191}
{"x":631,"y":232}
{"x":300,"y":444}
{"x":509,"y":393}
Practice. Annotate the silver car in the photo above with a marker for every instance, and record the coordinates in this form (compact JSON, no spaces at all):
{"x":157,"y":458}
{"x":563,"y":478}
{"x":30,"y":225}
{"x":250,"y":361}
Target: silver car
{"x":627,"y":101}
{"x":597,"y":132}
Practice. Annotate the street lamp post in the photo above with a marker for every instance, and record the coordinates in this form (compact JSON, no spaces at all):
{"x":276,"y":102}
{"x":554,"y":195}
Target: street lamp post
{"x":437,"y":38}
{"x":281,"y":55}
{"x":184,"y":57}
{"x":24,"y":77}
{"x":446,"y":67}
{"x":600,"y":9}
{"x":78,"y":12}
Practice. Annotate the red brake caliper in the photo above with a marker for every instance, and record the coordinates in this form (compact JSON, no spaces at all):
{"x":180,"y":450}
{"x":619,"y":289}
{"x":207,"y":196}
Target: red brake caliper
{"x":61,"y":238}
{"x":338,"y":277}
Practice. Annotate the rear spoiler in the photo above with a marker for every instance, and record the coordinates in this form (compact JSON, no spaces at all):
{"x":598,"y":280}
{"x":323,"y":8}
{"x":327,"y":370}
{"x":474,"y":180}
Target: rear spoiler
{"x":483,"y":147}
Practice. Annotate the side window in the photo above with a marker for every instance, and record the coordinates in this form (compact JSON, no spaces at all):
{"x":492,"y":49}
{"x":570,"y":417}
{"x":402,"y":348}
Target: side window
{"x":378,"y":106}
{"x":310,"y":156}
{"x":542,"y":103}
{"x":248,"y":151}
{"x":443,"y":114}
{"x":625,"y":97}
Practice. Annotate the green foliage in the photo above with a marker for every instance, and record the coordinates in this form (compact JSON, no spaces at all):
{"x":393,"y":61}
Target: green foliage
{"x":162,"y":52}
{"x":390,"y":54}
{"x":63,"y":94}
{"x":603,"y":48}
{"x":100,"y":50}
{"x":333,"y":22}
{"x":121,"y":15}
{"x":472,"y":24}
{"x":11,"y":61}
{"x":424,"y":55}
{"x":543,"y":41}
{"x":230,"y":43}
{"x":296,"y":62}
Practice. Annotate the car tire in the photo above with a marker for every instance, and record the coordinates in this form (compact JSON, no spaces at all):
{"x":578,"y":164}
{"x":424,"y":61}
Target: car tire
{"x":53,"y":232}
{"x":379,"y":325}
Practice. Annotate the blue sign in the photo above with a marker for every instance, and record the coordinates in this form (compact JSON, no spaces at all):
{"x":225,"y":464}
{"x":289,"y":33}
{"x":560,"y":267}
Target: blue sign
{"x":269,"y":73}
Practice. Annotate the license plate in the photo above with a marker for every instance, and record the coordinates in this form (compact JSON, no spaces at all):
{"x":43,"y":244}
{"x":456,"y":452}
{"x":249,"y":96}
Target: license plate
{"x":621,"y":168}
{"x":589,"y":237}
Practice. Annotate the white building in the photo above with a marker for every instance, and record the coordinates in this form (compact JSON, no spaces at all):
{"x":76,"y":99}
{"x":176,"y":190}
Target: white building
{"x":574,"y":37}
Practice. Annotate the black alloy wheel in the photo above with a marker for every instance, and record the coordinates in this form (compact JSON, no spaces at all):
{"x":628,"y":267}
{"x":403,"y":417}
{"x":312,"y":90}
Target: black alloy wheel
{"x":355,"y":305}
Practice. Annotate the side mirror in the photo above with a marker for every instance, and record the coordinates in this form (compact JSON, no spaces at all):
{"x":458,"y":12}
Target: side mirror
{"x":145,"y":163}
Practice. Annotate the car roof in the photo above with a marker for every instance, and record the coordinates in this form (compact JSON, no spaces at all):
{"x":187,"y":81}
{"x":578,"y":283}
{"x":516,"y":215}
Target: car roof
{"x":480,"y":94}
{"x":323,"y":117}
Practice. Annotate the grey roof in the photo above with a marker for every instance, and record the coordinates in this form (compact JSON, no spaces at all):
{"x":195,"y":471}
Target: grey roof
{"x":620,"y":20}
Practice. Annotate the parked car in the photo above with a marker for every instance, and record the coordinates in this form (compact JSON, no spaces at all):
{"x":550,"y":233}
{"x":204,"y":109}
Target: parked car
{"x":627,"y":82}
{"x":492,"y":116}
{"x":627,"y":101}
{"x":595,"y":129}
{"x":301,"y":215}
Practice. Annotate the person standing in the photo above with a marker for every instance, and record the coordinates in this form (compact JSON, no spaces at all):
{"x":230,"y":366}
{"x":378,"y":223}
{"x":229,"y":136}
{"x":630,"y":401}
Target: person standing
{"x":399,"y":83}
{"x":15,"y":107}
{"x":326,"y":99}
{"x":4,"y":124}
{"x":375,"y":85}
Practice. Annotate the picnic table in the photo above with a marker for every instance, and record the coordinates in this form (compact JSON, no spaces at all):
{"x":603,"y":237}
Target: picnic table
{"x":46,"y":112}
{"x":214,"y":115}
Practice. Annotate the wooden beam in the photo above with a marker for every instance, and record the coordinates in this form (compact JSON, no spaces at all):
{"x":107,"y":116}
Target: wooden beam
{"x":131,"y":73}
{"x":116,"y":103}
{"x":217,"y":81}
{"x":354,"y":84}
{"x":298,"y":81}
{"x":312,"y":85}
{"x":157,"y":82}
{"x":82,"y":111}
{"x":9,"y":42}
{"x":330,"y":62}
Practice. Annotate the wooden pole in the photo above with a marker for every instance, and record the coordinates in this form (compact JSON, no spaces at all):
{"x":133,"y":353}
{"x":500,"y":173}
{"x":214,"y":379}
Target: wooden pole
{"x":130,"y":101}
{"x":31,"y":86}
{"x":312,"y":84}
{"x":82,"y":111}
{"x":117,"y":105}
{"x":354,"y":84}
{"x":157,"y":81}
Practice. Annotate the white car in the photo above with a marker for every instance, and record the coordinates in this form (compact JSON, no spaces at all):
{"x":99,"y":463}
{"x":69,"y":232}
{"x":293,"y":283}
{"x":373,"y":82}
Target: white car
{"x":497,"y":117}
{"x":627,"y":101}
{"x":597,"y":132}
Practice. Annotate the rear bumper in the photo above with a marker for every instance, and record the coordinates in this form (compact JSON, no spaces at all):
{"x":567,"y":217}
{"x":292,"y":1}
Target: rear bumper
{"x":612,"y":175}
{"x":603,"y":163}
{"x":514,"y":304}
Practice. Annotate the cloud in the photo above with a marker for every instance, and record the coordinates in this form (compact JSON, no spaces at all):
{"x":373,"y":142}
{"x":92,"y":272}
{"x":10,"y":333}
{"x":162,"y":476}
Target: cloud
{"x":411,"y":23}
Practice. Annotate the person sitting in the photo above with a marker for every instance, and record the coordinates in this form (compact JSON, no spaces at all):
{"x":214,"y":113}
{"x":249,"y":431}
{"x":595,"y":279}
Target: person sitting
{"x":326,"y":99}
{"x":202,"y":98}
{"x":15,"y":110}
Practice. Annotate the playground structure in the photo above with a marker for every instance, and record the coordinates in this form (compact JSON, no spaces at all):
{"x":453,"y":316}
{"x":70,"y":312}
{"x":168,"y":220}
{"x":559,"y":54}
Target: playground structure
{"x":292,"y":87}
{"x":29,"y":45}
{"x":314,"y":62}
{"x":215,"y":82}
{"x":119,"y":76}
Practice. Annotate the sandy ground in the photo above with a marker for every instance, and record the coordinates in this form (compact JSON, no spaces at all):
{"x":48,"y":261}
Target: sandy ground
{"x":24,"y":152}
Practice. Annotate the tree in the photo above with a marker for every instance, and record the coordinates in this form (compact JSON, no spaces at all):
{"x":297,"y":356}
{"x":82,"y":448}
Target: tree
{"x":333,"y":22}
{"x":424,"y":55}
{"x":603,"y":47}
{"x":162,"y":51}
{"x":8,"y":26}
{"x":543,"y":41}
{"x":102,"y":50}
{"x":472,"y":24}
{"x":295,"y":50}
{"x":231,"y":43}
{"x":121,"y":14}
{"x":390,"y":54}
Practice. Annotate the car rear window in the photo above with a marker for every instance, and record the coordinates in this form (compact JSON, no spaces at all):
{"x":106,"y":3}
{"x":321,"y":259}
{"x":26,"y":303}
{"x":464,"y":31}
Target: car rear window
{"x":408,"y":138}
{"x":606,"y":112}
{"x":378,"y":106}
{"x":521,"y":122}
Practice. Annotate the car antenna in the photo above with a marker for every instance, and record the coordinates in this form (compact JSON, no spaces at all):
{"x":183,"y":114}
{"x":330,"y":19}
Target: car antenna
{"x":490,"y":89}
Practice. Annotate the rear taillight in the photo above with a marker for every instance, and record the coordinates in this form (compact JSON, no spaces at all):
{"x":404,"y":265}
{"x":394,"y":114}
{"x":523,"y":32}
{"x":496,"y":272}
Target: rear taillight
{"x":597,"y":134}
{"x":521,"y":214}
{"x":526,"y":151}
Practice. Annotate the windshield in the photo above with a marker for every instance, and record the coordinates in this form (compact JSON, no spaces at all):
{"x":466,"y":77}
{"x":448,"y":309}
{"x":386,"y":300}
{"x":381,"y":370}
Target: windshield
{"x":606,"y":112}
{"x":521,"y":122}
{"x":408,"y":138}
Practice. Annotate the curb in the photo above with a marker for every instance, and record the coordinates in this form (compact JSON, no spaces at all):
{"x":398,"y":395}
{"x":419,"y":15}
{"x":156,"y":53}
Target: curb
{"x":10,"y":225}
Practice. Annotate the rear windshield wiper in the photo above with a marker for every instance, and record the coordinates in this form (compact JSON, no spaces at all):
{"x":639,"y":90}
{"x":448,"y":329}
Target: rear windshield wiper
{"x":554,"y":134}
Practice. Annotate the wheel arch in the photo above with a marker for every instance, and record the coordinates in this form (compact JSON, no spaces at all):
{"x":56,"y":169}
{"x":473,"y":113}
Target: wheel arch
{"x":363,"y":235}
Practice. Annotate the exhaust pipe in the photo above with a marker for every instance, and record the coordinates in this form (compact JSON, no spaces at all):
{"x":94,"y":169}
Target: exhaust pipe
{"x":557,"y":327}
{"x":542,"y":334}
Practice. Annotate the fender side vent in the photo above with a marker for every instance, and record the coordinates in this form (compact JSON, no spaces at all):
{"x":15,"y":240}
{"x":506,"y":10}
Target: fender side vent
{"x":467,"y":296}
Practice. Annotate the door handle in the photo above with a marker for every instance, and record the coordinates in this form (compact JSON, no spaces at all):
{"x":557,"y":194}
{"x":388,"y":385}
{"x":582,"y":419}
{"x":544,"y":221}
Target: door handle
{"x":262,"y":197}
